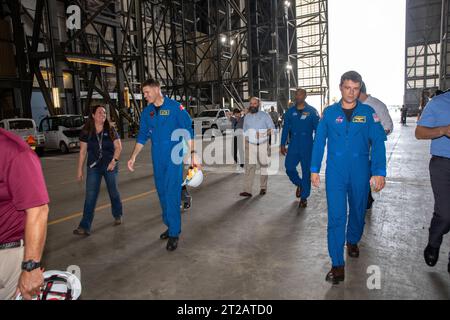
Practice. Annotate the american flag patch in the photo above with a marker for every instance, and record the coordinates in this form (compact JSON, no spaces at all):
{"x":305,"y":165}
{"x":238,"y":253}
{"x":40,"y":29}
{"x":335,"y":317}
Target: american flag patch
{"x":376,"y":118}
{"x":181,"y":107}
{"x":339,"y":119}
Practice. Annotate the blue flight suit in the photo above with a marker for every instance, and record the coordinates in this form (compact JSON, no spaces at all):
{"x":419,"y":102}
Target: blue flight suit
{"x":300,"y":126}
{"x":158,"y":124}
{"x":355,"y":150}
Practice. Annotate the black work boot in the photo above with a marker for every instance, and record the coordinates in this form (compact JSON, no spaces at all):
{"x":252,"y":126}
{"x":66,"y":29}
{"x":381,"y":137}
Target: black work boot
{"x":336,"y":275}
{"x":172,"y":244}
{"x":303,"y":203}
{"x":353,"y":250}
{"x":298,"y":192}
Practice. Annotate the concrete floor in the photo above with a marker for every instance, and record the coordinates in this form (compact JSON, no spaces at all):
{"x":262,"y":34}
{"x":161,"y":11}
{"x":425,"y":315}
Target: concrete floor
{"x":262,"y":248}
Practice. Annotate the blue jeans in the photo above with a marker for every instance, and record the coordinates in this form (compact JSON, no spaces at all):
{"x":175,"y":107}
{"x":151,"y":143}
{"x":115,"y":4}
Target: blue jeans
{"x":93,"y":181}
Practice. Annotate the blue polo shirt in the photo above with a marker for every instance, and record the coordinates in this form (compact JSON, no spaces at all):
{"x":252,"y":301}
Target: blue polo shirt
{"x":437,"y":114}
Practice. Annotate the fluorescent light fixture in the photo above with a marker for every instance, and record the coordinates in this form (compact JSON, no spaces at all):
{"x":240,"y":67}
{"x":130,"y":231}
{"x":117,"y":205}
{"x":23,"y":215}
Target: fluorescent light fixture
{"x":55,"y":95}
{"x":93,"y":61}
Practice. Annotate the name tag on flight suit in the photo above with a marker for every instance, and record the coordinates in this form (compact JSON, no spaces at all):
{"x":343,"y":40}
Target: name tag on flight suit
{"x":164,"y":112}
{"x":304,"y":115}
{"x":359,"y":119}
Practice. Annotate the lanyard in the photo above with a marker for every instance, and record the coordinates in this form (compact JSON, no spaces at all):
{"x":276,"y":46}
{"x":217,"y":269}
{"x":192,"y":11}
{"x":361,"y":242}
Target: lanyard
{"x":100,"y":144}
{"x":100,"y":149}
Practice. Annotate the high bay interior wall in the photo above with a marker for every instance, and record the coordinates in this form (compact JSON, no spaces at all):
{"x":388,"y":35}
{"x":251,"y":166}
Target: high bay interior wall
{"x":427,"y":66}
{"x":205,"y":53}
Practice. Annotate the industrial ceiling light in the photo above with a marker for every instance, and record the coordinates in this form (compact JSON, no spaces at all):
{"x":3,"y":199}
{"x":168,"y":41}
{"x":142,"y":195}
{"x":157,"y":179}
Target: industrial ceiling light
{"x":223,"y":39}
{"x":232,"y":41}
{"x":288,"y":66}
{"x":55,"y":95}
{"x":287,"y":3}
{"x":93,"y":61}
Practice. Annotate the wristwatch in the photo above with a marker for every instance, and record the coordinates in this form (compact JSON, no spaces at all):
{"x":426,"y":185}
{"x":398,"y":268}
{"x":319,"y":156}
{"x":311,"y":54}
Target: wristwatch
{"x":30,"y":265}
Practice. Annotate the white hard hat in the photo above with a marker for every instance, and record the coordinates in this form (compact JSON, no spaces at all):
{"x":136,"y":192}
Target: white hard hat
{"x":58,"y":285}
{"x":194,"y":178}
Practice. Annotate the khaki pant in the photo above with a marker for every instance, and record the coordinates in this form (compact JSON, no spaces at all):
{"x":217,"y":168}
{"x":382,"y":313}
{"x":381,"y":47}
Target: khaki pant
{"x":10,"y":270}
{"x":256,"y":156}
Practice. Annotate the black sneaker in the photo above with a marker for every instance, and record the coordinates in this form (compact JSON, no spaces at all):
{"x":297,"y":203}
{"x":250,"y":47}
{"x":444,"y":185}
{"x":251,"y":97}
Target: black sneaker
{"x":164,"y":235}
{"x":172,"y":244}
{"x":431,"y":255}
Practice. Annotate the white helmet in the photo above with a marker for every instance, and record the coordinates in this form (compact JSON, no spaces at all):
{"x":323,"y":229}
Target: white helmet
{"x":58,"y":285}
{"x":194,"y":178}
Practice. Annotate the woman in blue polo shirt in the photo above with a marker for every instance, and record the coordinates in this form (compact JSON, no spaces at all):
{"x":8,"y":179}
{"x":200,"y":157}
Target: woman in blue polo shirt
{"x":101,"y":143}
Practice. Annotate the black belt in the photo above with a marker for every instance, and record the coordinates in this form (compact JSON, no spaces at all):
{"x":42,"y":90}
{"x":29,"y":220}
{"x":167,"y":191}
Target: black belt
{"x":11,"y":245}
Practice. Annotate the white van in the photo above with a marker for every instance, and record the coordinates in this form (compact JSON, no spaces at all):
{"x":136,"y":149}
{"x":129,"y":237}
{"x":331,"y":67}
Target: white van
{"x":26,"y":129}
{"x":62,"y":132}
{"x":213,"y":119}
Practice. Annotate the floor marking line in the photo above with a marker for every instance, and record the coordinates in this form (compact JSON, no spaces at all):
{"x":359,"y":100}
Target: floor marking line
{"x":105,"y":206}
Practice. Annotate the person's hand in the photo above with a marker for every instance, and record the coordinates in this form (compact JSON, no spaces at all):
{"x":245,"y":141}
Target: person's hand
{"x":315,"y":180}
{"x":283,"y":150}
{"x":131,"y":164}
{"x":377,"y":183}
{"x":80,"y":175}
{"x":195,"y":162}
{"x":112,"y":165}
{"x":30,"y":284}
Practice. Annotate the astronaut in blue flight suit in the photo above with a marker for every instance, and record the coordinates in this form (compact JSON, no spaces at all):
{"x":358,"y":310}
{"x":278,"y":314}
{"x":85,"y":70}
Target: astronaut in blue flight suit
{"x":159,"y":120}
{"x":354,"y":135}
{"x":300,"y":122}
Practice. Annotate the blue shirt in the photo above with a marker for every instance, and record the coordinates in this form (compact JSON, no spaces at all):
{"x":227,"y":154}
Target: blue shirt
{"x":300,"y":125}
{"x":258,"y":122}
{"x":437,"y":114}
{"x":160,"y":123}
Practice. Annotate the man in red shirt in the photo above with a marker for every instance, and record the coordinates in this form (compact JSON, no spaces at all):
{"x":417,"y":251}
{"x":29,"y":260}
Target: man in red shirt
{"x":23,"y":218}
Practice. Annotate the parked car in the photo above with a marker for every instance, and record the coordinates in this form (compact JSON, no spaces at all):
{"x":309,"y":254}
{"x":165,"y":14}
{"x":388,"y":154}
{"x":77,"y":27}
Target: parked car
{"x":213,"y":119}
{"x":25,"y":128}
{"x":62,"y":132}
